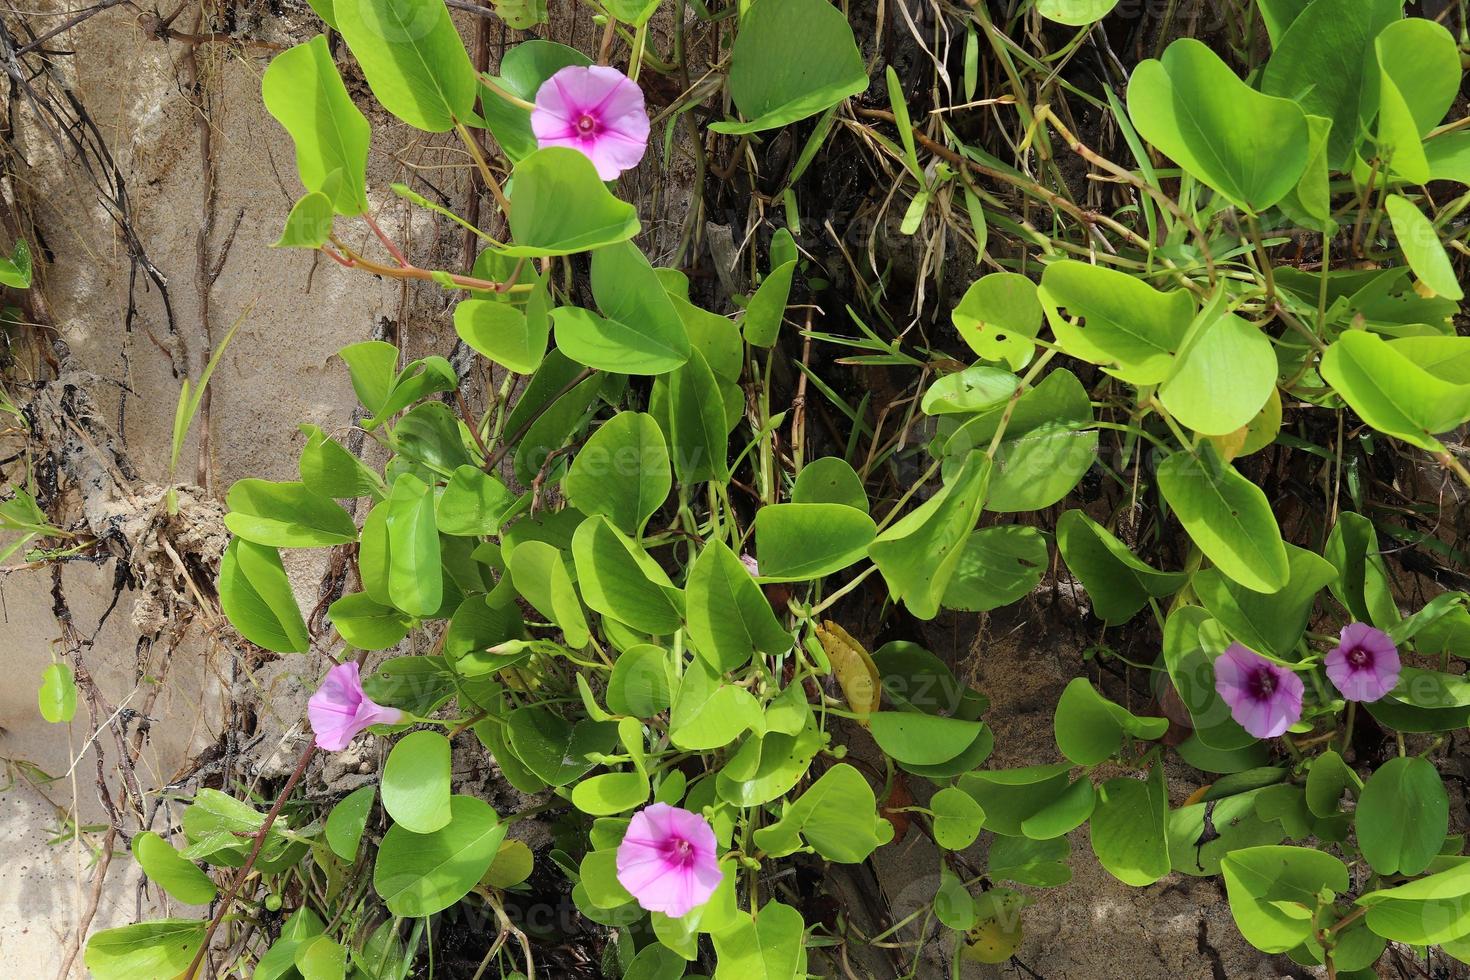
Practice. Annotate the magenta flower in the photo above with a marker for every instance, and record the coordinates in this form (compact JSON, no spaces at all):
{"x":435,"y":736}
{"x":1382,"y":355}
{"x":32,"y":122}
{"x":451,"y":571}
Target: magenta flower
{"x":1365,"y":666}
{"x":1265,"y":698}
{"x":667,"y":860}
{"x":339,"y":710}
{"x":597,"y":110}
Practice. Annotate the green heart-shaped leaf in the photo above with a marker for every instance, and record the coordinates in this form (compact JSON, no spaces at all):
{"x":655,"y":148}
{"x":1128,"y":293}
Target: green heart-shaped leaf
{"x":791,"y":59}
{"x":1250,"y":147}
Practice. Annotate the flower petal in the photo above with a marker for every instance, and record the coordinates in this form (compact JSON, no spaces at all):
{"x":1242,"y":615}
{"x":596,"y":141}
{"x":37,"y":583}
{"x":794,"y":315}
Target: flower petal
{"x":1380,"y":644}
{"x":341,"y":686}
{"x":332,"y":738}
{"x":649,"y":825}
{"x":1355,"y":634}
{"x":611,"y":154}
{"x":610,"y":99}
{"x":552,"y":130}
{"x":678,"y":898}
{"x":552,"y":102}
{"x":370,"y":713}
{"x":660,"y":882}
{"x":647,"y":883}
{"x":641,"y":873}
{"x":1372,"y":679}
{"x":1254,"y":716}
{"x":587,"y":88}
{"x":1367,"y":684}
{"x":1285,"y":702}
{"x":1232,"y":674}
{"x":332,"y":710}
{"x":707,"y":878}
{"x":623,"y":111}
{"x":693,"y":828}
{"x":1236,"y":681}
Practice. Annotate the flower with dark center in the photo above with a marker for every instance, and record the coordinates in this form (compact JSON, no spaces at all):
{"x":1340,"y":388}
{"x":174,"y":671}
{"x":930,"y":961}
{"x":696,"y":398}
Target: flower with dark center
{"x":596,"y":110}
{"x":667,"y":860}
{"x":1264,"y":697}
{"x":1365,"y":665}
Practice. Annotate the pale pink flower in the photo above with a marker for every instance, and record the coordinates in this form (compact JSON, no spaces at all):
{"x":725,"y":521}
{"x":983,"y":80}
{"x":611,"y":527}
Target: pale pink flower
{"x":1365,"y":665}
{"x":597,"y":110}
{"x":667,"y":860}
{"x":339,"y":711}
{"x":1264,"y":697}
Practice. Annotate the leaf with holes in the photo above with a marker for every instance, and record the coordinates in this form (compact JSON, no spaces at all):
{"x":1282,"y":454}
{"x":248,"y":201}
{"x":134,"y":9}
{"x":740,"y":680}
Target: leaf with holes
{"x":998,"y":316}
{"x":1115,"y":320}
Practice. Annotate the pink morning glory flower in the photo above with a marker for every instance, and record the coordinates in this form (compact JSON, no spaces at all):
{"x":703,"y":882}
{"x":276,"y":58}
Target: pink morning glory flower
{"x":1365,"y":665}
{"x":339,"y":711}
{"x":1264,"y":697}
{"x":597,"y":110}
{"x":667,"y":860}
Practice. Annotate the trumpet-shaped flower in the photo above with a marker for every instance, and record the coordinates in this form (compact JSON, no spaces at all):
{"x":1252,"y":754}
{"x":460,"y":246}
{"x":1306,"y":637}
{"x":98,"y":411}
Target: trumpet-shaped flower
{"x":667,"y":860}
{"x":1264,"y":697}
{"x":1365,"y":665}
{"x":339,"y":710}
{"x":594,"y":109}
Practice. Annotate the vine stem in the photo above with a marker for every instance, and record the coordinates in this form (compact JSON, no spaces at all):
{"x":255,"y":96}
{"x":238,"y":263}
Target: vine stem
{"x":353,"y":260}
{"x":1263,"y":259}
{"x":827,"y":603}
{"x":1045,"y":116}
{"x":1454,"y":465}
{"x":640,"y":42}
{"x":1025,"y":185}
{"x":1347,"y":920}
{"x":468,"y":723}
{"x":515,"y":437}
{"x":604,"y":50}
{"x":1367,"y":195}
{"x":479,"y":158}
{"x":494,"y":86}
{"x":902,"y":501}
{"x":388,"y":243}
{"x":1163,"y":413}
{"x":470,"y":423}
{"x":1010,"y":409}
{"x":260,"y":835}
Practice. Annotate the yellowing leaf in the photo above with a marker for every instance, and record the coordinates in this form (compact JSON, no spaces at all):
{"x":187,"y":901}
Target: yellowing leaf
{"x":855,"y":670}
{"x":997,"y":933}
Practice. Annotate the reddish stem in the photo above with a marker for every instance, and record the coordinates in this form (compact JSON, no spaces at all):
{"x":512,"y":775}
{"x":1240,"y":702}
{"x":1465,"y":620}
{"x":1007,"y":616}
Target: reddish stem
{"x":260,"y":835}
{"x":332,"y":254}
{"x":393,"y":249}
